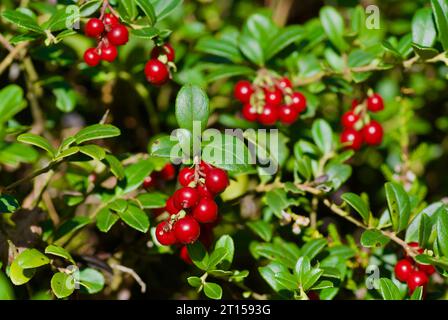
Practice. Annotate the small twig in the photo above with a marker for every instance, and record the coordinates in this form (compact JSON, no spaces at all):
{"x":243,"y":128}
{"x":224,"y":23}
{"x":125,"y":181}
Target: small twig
{"x":133,"y":274}
{"x":33,"y":175}
{"x":6,"y":43}
{"x":12,"y":55}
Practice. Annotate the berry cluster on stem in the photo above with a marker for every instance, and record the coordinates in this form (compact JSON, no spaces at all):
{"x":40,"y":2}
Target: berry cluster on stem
{"x":269,"y":99}
{"x":358,"y":126}
{"x":158,"y":68}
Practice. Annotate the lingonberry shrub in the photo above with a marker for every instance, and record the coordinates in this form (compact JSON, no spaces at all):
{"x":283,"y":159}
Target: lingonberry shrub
{"x":223,"y":155}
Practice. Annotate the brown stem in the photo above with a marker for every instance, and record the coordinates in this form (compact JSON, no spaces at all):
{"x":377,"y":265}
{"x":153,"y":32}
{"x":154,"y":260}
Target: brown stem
{"x":13,"y":54}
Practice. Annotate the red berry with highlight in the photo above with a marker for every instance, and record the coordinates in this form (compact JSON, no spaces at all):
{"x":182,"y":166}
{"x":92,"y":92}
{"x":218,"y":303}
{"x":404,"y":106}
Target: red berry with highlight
{"x":203,"y":192}
{"x":426,"y":268}
{"x":249,"y":112}
{"x":118,"y":35}
{"x":373,"y":133}
{"x":375,"y":103}
{"x":351,"y":139}
{"x":243,"y":91}
{"x":284,"y":83}
{"x":165,"y":49}
{"x":94,"y":28}
{"x":417,"y":279}
{"x":187,"y":230}
{"x":164,"y":234}
{"x":273,"y":97}
{"x":186,"y":197}
{"x":269,"y":115}
{"x":186,"y":176}
{"x":349,"y":119}
{"x":91,"y":57}
{"x":403,"y":270}
{"x":156,"y":72}
{"x":298,"y":101}
{"x":109,"y":53}
{"x":168,"y":172}
{"x":149,"y":182}
{"x":171,"y":206}
{"x":287,"y":114}
{"x":206,"y":211}
{"x":216,"y":180}
{"x":110,"y":20}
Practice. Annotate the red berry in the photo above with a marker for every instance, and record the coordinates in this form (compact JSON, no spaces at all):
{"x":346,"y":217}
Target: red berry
{"x":298,"y":101}
{"x":206,"y":236}
{"x":91,"y":57}
{"x":426,"y":268}
{"x":375,"y":103}
{"x":110,"y":20}
{"x":403,"y":270}
{"x":165,"y":49}
{"x":288,"y":114}
{"x":118,"y":35}
{"x":355,"y":103}
{"x":186,"y":176}
{"x":203,"y":191}
{"x":417,"y":279}
{"x":164,"y":234}
{"x":216,"y":180}
{"x":269,"y":115}
{"x":156,"y":72}
{"x":149,"y":182}
{"x":183,"y":254}
{"x":186,"y":197}
{"x":94,"y":28}
{"x":171,"y":207}
{"x":373,"y":133}
{"x":249,"y":112}
{"x":273,"y":97}
{"x":109,"y":53}
{"x":243,"y":91}
{"x":205,"y":167}
{"x":206,"y":211}
{"x":187,"y":230}
{"x":158,"y":211}
{"x":168,"y":172}
{"x":284,"y":83}
{"x":313,"y":295}
{"x":349,"y":119}
{"x":351,"y":138}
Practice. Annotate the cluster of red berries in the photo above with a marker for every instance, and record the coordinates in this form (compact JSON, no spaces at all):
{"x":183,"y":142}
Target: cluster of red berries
{"x":270,"y":101}
{"x":414,"y":274}
{"x":358,"y":127}
{"x":110,"y":34}
{"x":167,"y":173}
{"x":157,"y":69}
{"x":191,"y":205}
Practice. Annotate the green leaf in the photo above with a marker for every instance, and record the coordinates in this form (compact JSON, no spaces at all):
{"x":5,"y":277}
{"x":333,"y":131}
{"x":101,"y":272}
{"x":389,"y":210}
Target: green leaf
{"x":15,"y":153}
{"x":129,"y":7}
{"x":118,"y":205}
{"x":312,"y":248}
{"x":148,"y":9}
{"x":442,"y":232}
{"x":388,"y":290}
{"x":252,"y":49}
{"x":424,"y":230}
{"x":322,"y":136}
{"x":163,"y":146}
{"x":93,"y":151}
{"x":19,"y":275}
{"x":70,"y":226}
{"x":192,"y":105}
{"x":417,"y":294}
{"x":261,"y":228}
{"x":115,"y":166}
{"x":105,"y":219}
{"x":6,"y":290}
{"x":284,"y":38}
{"x":423,"y":28}
{"x":227,"y":71}
{"x":37,"y":141}
{"x":226,"y":242}
{"x":399,"y":206}
{"x":276,"y":200}
{"x":92,"y":280}
{"x":65,"y":99}
{"x":311,"y":277}
{"x":302,"y":267}
{"x":152,"y":200}
{"x":8,"y":204}
{"x":66,"y":153}
{"x":440,"y":10}
{"x":216,"y":257}
{"x":225,"y":151}
{"x":11,"y":102}
{"x":333,"y":25}
{"x":62,"y":285}
{"x":213,"y":290}
{"x":60,"y":252}
{"x":60,"y":20}
{"x":22,"y":20}
{"x":412,"y":232}
{"x":32,"y":258}
{"x":95,"y":132}
{"x":135,"y":218}
{"x":357,"y":203}
{"x":163,"y":8}
{"x":223,"y":48}
{"x":89,"y":8}
{"x":146,"y":33}
{"x":195,"y":282}
{"x":271,"y":274}
{"x":135,"y":174}
{"x":373,"y":238}
{"x":198,"y":255}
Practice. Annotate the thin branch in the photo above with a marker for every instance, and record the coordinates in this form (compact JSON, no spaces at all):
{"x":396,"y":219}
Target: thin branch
{"x":12,"y":55}
{"x":133,"y":274}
